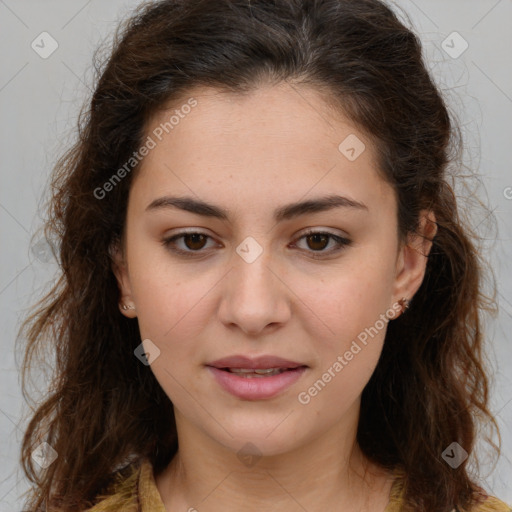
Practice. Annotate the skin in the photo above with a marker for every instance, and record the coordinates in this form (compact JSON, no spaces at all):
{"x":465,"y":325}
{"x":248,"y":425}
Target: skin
{"x":251,"y":154}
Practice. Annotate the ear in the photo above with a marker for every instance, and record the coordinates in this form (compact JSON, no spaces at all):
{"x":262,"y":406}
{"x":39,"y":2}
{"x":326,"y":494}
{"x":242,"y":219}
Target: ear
{"x":120,"y":270}
{"x":413,"y":256}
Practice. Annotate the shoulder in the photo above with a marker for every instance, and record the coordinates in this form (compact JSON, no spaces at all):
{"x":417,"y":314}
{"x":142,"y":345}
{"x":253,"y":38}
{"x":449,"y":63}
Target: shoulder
{"x":121,"y":494}
{"x":491,"y":504}
{"x":133,"y":489}
{"x":486,"y":503}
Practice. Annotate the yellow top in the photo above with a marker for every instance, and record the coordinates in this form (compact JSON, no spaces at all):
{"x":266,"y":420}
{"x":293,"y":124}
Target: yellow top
{"x":138,"y":493}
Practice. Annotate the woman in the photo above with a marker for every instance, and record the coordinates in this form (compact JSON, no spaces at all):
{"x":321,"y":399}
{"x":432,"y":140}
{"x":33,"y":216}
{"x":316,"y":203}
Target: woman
{"x":268,"y":300}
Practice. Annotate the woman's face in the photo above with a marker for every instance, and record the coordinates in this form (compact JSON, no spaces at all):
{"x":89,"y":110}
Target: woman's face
{"x":252,"y":283}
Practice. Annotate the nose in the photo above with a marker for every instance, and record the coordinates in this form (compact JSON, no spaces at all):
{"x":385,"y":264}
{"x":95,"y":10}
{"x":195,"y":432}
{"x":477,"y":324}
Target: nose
{"x":255,"y":296}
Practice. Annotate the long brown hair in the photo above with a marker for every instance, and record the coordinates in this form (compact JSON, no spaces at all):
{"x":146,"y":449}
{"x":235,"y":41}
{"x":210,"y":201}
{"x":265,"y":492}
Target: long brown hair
{"x":430,"y":389}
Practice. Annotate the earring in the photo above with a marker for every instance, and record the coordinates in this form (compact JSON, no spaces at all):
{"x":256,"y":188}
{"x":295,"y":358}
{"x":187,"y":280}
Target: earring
{"x":125,"y":307}
{"x":405,"y":303}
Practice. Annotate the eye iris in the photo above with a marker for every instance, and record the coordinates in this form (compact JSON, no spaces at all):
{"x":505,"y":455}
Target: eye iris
{"x":316,"y":237}
{"x":195,"y":237}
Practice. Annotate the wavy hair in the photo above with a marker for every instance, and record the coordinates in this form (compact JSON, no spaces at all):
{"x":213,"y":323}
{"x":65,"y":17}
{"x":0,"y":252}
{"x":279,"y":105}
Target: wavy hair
{"x":430,"y":387}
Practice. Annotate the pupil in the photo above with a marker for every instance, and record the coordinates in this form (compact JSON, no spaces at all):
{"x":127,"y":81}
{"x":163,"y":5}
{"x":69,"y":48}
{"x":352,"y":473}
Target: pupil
{"x":316,"y":236}
{"x":195,"y":237}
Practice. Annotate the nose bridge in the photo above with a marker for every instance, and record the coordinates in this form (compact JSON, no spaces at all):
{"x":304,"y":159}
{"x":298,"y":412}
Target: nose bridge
{"x":254,"y":296}
{"x":252,"y":273}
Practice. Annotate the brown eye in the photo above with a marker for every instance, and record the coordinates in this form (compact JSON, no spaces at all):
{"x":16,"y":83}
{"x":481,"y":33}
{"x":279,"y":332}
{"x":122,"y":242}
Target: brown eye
{"x":318,"y":241}
{"x":194,"y":241}
{"x":190,"y":243}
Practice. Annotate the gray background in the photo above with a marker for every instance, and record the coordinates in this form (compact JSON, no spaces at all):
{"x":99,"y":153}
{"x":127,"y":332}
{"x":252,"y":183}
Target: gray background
{"x":39,"y":102}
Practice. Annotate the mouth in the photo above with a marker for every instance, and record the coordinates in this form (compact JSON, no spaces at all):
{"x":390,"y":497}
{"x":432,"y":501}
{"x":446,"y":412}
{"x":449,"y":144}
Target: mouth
{"x":260,"y":365}
{"x":258,"y":372}
{"x":256,"y":378}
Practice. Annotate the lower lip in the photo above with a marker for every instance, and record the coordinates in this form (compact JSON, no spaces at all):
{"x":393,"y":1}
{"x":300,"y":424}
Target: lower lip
{"x":256,"y":388}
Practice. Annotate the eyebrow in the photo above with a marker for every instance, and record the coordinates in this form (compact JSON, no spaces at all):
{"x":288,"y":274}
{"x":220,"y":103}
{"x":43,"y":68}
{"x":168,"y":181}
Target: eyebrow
{"x":282,"y":213}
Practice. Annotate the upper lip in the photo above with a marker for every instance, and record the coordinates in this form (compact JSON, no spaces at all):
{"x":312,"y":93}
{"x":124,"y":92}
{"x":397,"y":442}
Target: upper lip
{"x":260,"y":362}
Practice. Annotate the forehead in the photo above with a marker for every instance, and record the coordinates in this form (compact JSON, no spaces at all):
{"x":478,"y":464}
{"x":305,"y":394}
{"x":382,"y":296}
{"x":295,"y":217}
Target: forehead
{"x":271,"y":114}
{"x":275,"y":141}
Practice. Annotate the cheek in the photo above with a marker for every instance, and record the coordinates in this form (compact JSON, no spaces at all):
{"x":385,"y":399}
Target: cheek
{"x":352,"y":305}
{"x":169,"y":308}
{"x":172,"y":311}
{"x":347,"y":356}
{"x":170,"y":296}
{"x":351,"y":298}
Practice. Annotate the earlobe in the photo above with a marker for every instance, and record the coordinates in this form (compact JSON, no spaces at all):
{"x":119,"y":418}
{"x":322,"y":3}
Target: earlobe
{"x":413,"y":257}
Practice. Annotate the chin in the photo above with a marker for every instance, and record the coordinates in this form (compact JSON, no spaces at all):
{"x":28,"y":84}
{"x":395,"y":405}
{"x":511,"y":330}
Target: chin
{"x":257,"y":444}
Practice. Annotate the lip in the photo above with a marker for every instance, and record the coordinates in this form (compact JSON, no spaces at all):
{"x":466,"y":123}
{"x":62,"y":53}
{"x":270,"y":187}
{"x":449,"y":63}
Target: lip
{"x":260,"y":362}
{"x":256,"y":388}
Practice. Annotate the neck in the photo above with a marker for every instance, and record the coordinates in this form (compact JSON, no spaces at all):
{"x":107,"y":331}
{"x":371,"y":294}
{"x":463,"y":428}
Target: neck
{"x":205,"y":475}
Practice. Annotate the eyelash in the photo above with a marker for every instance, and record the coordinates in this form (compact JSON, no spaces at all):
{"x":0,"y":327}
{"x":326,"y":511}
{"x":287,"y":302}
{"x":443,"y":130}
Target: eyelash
{"x":341,"y":241}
